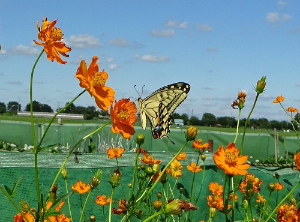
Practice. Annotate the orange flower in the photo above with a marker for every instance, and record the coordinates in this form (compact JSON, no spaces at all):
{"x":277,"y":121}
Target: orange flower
{"x":102,"y":200}
{"x":215,"y":188}
{"x":51,"y":40}
{"x":148,"y":159}
{"x":297,"y":160}
{"x":193,"y":167}
{"x":260,"y":199}
{"x":287,"y":213}
{"x":115,"y":152}
{"x":20,"y":218}
{"x":181,"y":156}
{"x":250,"y":183}
{"x":278,"y":99}
{"x":123,"y":116}
{"x":175,"y":169}
{"x":122,"y":207}
{"x":229,"y":161}
{"x":240,"y":101}
{"x":94,"y":82}
{"x":57,"y":218}
{"x":292,"y":110}
{"x":198,"y":145}
{"x":81,"y":187}
{"x":215,"y":201}
{"x":278,"y":186}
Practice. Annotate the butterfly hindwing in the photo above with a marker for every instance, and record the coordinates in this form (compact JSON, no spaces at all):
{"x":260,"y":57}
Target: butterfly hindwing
{"x":159,"y":106}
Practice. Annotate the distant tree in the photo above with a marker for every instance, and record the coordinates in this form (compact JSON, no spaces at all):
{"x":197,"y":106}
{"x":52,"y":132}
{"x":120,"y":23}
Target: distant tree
{"x":46,"y":108}
{"x":2,"y":108}
{"x":176,"y":116}
{"x":103,"y":113}
{"x":79,"y":110}
{"x":13,"y":106}
{"x":208,"y":119}
{"x":194,"y":120}
{"x":226,"y":121}
{"x":185,"y":118}
{"x":38,"y":107}
{"x":90,"y":113}
{"x":70,"y":109}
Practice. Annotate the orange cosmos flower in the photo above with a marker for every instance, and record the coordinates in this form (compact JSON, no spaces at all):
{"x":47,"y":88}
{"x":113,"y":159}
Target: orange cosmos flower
{"x":102,"y":200}
{"x":123,"y":116}
{"x":122,"y":207}
{"x":198,"y":145}
{"x":193,"y":167}
{"x":215,"y":188}
{"x":278,"y":186}
{"x":278,"y":99}
{"x":250,"y":183}
{"x":260,"y":199}
{"x":297,"y":160}
{"x":57,"y":218}
{"x":20,"y":218}
{"x":94,"y":82}
{"x":292,"y":110}
{"x":51,"y":40}
{"x":229,"y":161}
{"x":287,"y":213}
{"x":181,"y":156}
{"x":148,"y":159}
{"x":215,"y":202}
{"x":115,"y":152}
{"x":175,"y":169}
{"x":81,"y":187}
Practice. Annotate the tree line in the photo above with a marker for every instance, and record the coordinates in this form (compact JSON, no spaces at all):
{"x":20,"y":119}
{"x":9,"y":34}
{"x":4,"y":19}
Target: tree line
{"x":208,"y":119}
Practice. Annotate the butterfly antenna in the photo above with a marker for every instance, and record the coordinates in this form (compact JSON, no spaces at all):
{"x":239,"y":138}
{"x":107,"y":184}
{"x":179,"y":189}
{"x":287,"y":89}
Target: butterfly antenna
{"x":171,"y":140}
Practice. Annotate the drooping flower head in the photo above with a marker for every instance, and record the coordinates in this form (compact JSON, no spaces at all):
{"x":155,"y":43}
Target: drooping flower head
{"x":123,"y":116}
{"x":278,"y":99}
{"x":229,"y":161}
{"x":81,"y":187}
{"x":115,"y":152}
{"x":239,"y":103}
{"x":122,"y":207}
{"x":51,"y":40}
{"x":94,"y":82}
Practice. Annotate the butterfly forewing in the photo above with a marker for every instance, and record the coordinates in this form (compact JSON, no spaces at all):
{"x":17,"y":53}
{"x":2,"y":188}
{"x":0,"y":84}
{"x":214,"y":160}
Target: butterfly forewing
{"x":159,"y":106}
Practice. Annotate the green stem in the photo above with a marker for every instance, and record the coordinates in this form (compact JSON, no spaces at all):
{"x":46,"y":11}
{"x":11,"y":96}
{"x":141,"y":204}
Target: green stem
{"x":71,"y":151}
{"x":202,"y":181}
{"x":84,"y":205}
{"x":246,"y":123}
{"x":262,"y":215}
{"x":233,"y":198}
{"x":13,"y":202}
{"x":154,"y":215}
{"x":134,"y":173}
{"x":56,"y":114}
{"x":193,"y":181}
{"x":110,"y":204}
{"x":237,"y":126}
{"x":68,"y":199}
{"x":282,"y":201}
{"x":37,"y":185}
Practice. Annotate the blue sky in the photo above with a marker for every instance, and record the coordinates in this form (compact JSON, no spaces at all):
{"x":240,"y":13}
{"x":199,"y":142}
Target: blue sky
{"x":218,"y":47}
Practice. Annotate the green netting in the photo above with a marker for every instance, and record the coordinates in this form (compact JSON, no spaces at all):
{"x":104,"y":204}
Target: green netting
{"x":258,"y":146}
{"x":14,"y":164}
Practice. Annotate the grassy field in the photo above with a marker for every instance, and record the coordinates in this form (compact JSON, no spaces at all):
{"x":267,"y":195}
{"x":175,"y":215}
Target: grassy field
{"x":100,"y":121}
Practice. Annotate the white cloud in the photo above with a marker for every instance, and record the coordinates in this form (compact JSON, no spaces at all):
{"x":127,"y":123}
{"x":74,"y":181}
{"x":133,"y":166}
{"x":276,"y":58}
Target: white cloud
{"x":110,"y":60}
{"x":23,"y":50}
{"x":16,"y":83}
{"x":119,"y":42}
{"x":163,"y":33}
{"x":183,"y":25}
{"x":152,"y":58}
{"x":171,"y":23}
{"x":82,"y":41}
{"x":112,"y":66}
{"x":204,"y":27}
{"x":275,"y":17}
{"x":281,"y":3}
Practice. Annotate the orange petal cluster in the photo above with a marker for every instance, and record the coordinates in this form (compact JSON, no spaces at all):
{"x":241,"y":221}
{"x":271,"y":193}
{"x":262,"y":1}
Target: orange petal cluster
{"x":278,"y":99}
{"x":287,"y":213}
{"x":148,"y":159}
{"x":278,"y":186}
{"x":198,"y":145}
{"x":122,"y":209}
{"x":115,"y":152}
{"x":193,"y":167}
{"x":94,"y":82}
{"x":123,"y":116}
{"x":102,"y":200}
{"x":51,"y":40}
{"x":297,"y":160}
{"x":81,"y":187}
{"x":229,"y":161}
{"x":250,"y":183}
{"x":292,"y":110}
{"x":181,"y":156}
{"x":175,"y":169}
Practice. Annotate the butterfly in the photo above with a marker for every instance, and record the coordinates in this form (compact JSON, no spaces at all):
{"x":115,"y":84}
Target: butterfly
{"x":160,"y":105}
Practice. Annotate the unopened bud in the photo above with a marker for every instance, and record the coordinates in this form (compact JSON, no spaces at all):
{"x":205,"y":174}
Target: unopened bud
{"x":203,"y":157}
{"x":157,"y":205}
{"x":191,"y":133}
{"x":96,"y":179}
{"x":271,"y":187}
{"x":64,"y":173}
{"x":92,"y":218}
{"x":212,"y":212}
{"x":140,"y":139}
{"x":261,"y":84}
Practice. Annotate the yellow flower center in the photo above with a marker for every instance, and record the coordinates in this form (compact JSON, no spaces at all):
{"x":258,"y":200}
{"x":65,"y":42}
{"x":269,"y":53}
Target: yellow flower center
{"x":98,"y":79}
{"x":123,"y":114}
{"x":56,"y":34}
{"x":230,"y":157}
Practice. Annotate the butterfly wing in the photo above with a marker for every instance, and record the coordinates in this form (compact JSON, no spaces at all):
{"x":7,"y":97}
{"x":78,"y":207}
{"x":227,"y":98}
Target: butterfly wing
{"x":159,"y":106}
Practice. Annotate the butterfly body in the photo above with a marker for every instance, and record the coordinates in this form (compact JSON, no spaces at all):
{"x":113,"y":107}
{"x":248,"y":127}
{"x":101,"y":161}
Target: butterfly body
{"x":160,"y":105}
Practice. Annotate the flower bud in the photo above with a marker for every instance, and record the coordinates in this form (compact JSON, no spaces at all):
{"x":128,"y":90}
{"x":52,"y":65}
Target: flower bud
{"x":25,"y":206}
{"x":293,"y":200}
{"x":159,"y":195}
{"x":53,"y":193}
{"x":176,"y":206}
{"x":276,"y":175}
{"x":271,"y":187}
{"x":64,"y":173}
{"x":203,"y":157}
{"x":157,"y":205}
{"x":140,"y":139}
{"x":155,"y":168}
{"x":96,"y":179}
{"x":261,"y":84}
{"x":92,"y":218}
{"x":149,"y":171}
{"x":115,"y":178}
{"x":245,"y":204}
{"x":212,"y":212}
{"x":191,"y":133}
{"x":130,"y":185}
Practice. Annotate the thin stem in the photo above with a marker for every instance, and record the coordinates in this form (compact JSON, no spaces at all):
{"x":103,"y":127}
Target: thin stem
{"x":37,"y":185}
{"x":154,"y":215}
{"x":68,"y":199}
{"x":84,"y":205}
{"x":134,"y":172}
{"x":282,"y":201}
{"x":71,"y":151}
{"x":202,"y":181}
{"x":246,"y":123}
{"x":233,"y":197}
{"x":237,"y":126}
{"x":193,"y":181}
{"x":110,"y":204}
